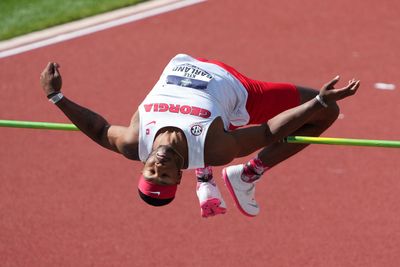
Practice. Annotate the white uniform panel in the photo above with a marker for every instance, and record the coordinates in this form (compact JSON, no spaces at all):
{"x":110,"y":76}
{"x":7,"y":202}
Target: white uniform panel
{"x":189,"y":95}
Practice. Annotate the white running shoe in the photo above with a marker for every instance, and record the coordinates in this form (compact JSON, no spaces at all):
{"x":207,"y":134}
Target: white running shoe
{"x":210,"y":198}
{"x":242,"y":192}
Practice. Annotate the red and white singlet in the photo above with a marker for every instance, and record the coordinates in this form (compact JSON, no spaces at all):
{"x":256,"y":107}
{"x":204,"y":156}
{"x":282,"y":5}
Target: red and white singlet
{"x":189,"y":95}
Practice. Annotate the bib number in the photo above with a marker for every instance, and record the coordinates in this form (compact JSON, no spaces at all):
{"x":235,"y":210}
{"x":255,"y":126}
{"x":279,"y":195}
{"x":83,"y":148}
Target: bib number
{"x":187,"y":75}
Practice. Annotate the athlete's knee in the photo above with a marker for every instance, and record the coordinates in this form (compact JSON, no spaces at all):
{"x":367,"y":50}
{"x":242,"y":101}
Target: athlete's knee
{"x":327,"y":116}
{"x":330,"y":113}
{"x":333,"y":111}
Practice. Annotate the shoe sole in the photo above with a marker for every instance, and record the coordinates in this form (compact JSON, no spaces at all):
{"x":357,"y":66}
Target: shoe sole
{"x":211,"y":207}
{"x":232,"y":192}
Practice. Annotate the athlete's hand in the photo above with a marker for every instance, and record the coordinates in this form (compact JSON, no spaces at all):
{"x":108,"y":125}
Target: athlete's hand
{"x":50,"y":79}
{"x":328,"y":93}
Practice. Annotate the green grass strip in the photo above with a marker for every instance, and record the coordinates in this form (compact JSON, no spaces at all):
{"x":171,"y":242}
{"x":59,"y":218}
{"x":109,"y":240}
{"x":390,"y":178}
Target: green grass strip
{"x":18,"y":17}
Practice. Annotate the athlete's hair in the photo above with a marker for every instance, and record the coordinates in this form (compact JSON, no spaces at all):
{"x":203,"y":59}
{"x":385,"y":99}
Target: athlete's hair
{"x":154,"y":201}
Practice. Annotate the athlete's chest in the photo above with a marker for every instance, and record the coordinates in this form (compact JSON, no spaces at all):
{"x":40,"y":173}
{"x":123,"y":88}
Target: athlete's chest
{"x":219,"y":146}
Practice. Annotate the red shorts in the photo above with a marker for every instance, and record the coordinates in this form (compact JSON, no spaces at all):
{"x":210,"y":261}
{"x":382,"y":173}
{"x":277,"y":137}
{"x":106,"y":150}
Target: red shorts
{"x":265,"y":99}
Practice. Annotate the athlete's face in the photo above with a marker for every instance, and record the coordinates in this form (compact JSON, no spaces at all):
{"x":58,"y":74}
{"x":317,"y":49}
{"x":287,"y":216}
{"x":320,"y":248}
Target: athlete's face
{"x":163,"y":166}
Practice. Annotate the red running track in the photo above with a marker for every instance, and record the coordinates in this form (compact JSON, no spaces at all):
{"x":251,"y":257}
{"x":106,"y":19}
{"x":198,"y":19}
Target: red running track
{"x":64,"y":201}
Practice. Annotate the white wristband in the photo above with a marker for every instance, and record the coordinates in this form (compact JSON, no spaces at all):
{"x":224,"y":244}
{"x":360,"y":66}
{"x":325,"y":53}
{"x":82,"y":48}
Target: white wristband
{"x":55,"y":98}
{"x":322,"y":102}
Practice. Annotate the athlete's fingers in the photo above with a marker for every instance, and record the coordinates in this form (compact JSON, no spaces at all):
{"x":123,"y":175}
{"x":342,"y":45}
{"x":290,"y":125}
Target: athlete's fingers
{"x":332,"y":83}
{"x":46,"y":70}
{"x":50,"y":68}
{"x":349,"y":90}
{"x":349,"y":86}
{"x":56,"y":71}
{"x":355,"y":87}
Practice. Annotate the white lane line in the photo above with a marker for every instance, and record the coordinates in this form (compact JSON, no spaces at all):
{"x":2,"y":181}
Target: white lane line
{"x":384,"y":86}
{"x":79,"y":31}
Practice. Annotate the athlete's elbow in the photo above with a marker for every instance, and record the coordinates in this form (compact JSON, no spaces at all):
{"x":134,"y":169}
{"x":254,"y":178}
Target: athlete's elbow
{"x":99,"y":135}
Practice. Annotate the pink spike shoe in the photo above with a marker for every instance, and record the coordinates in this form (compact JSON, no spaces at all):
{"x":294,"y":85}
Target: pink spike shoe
{"x":210,"y":199}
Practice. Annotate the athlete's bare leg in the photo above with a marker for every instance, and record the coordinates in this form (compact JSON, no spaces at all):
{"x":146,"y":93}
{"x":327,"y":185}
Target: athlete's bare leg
{"x":278,"y":152}
{"x":240,"y":179}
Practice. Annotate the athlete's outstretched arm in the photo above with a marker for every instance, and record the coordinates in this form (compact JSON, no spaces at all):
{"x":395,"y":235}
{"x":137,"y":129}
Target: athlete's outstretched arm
{"x":90,"y":123}
{"x":285,"y":123}
{"x":290,"y":120}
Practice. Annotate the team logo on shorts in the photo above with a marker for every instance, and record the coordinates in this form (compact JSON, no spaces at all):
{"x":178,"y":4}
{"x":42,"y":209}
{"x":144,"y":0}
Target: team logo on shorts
{"x":196,"y":130}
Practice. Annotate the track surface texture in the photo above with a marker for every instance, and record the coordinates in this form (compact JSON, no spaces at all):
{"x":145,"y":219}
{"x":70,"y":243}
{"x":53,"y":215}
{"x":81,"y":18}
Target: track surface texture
{"x":65,"y":201}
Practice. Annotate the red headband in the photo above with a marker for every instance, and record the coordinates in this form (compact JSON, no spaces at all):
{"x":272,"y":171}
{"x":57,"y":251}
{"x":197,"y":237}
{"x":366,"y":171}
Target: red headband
{"x":156,"y":191}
